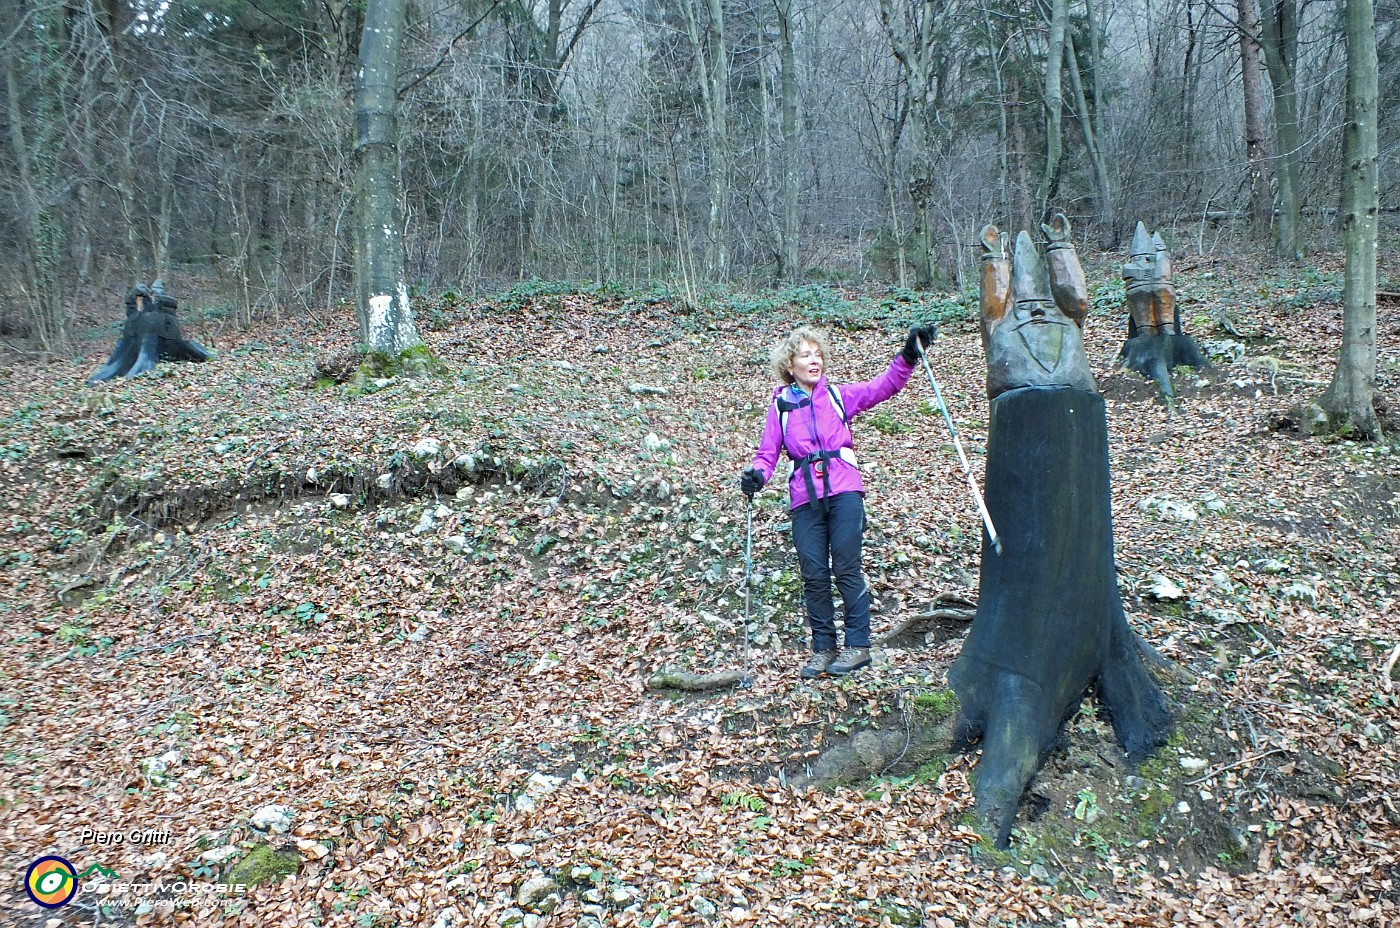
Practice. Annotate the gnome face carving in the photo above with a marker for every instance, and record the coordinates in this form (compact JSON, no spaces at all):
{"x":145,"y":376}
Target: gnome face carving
{"x":1028,"y":338}
{"x":1147,"y":275}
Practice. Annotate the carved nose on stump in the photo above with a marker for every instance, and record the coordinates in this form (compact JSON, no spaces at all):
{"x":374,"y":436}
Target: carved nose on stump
{"x":1028,"y":280}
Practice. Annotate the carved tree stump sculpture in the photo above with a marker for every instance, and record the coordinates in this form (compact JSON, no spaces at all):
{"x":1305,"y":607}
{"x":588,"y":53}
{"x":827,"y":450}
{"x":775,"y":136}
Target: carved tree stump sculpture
{"x":1156,"y":343}
{"x":1050,"y":624}
{"x":151,"y":334}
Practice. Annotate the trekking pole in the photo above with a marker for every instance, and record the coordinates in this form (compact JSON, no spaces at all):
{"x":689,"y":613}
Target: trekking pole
{"x":748,"y":574}
{"x":966,"y":467}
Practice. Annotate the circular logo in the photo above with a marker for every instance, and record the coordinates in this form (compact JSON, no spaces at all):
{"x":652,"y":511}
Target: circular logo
{"x":51,"y":882}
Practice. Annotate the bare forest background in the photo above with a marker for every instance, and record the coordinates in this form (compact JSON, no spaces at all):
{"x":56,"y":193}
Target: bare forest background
{"x":686,"y":142}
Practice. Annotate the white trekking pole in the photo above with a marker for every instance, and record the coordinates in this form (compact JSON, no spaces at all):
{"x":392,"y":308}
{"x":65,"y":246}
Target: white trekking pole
{"x":966,"y":467}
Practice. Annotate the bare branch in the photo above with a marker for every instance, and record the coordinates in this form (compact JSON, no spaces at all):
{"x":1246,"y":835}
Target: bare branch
{"x":446,"y":51}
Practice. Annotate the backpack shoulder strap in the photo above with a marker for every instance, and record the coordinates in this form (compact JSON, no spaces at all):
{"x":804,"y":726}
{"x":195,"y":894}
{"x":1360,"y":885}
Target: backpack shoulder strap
{"x":836,"y":401}
{"x":784,"y":406}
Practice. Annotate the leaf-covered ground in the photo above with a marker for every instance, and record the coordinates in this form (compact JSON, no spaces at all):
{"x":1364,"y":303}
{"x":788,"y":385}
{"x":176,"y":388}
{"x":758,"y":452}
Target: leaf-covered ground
{"x":420,"y":615}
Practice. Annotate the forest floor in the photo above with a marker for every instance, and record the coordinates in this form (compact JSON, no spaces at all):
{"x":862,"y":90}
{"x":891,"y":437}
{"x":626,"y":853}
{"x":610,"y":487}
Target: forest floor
{"x":390,"y":642}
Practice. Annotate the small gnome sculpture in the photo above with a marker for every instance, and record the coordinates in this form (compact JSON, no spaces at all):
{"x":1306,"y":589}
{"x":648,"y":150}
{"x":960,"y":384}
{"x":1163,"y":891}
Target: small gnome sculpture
{"x":1155,"y":342}
{"x":150,"y":335}
{"x":1050,"y":624}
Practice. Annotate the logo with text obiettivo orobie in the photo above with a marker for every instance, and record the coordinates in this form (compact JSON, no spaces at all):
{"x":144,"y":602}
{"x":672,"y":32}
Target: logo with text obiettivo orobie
{"x":52,"y":881}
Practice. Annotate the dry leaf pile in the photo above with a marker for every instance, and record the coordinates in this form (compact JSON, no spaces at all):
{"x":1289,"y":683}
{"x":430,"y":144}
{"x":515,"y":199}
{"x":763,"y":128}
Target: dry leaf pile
{"x":419,"y":616}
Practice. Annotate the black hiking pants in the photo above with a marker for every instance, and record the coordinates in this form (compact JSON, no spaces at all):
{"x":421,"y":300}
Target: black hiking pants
{"x":828,"y":540}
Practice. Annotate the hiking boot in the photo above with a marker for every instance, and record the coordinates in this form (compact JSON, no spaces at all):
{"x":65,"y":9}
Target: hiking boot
{"x":818,"y":664}
{"x":849,"y":660}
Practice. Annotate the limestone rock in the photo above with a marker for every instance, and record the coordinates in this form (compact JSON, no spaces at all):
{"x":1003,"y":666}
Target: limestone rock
{"x":1170,"y":508}
{"x":265,"y":865}
{"x":273,"y":818}
{"x":1165,"y":589}
{"x":157,"y":769}
{"x":447,"y":918}
{"x":426,"y":449}
{"x":535,"y":890}
{"x":220,"y":855}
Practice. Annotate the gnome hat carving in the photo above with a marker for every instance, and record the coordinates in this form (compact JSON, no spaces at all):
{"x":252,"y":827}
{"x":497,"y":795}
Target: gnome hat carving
{"x":1143,"y":246}
{"x":1144,"y":267}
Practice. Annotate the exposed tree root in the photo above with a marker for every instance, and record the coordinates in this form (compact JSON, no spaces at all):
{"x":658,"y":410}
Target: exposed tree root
{"x":898,"y":750}
{"x":697,"y":682}
{"x":915,"y":623}
{"x":1164,"y":666}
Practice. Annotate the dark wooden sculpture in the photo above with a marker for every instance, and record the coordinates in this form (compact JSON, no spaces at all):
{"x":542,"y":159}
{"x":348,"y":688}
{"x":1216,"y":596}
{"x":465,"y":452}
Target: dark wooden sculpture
{"x":1156,"y":343}
{"x":1050,"y":624}
{"x":1031,"y":323}
{"x":151,"y":334}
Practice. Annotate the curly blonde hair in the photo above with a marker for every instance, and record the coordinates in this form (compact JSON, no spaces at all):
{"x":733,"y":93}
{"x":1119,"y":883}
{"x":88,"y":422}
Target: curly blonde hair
{"x":780,"y":358}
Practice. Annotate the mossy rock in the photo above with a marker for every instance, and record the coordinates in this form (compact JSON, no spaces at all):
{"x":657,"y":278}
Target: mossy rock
{"x":938,"y":704}
{"x":416,"y":361}
{"x":265,"y":865}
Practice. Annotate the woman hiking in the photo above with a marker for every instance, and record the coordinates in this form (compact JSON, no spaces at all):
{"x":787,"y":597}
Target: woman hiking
{"x":810,"y":419}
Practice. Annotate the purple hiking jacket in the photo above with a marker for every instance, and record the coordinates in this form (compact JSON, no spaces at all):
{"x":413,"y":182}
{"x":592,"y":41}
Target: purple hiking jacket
{"x":818,"y":426}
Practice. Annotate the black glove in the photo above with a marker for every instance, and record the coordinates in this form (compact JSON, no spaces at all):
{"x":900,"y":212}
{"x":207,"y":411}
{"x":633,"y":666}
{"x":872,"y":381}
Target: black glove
{"x":751,"y":481}
{"x":919,"y":335}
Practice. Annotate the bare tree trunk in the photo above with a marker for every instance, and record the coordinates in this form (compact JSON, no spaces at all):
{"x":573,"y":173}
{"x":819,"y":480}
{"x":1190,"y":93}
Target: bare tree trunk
{"x":717,"y":264}
{"x":386,"y":320}
{"x":1054,"y":106}
{"x":888,"y":145}
{"x":537,"y":56}
{"x":1021,"y":205}
{"x":1256,"y":142}
{"x":1185,"y":134}
{"x":1279,"y":42}
{"x":36,"y":160}
{"x":85,"y":200}
{"x":714,"y":104}
{"x":165,"y":178}
{"x":127,"y":119}
{"x":787,"y":79}
{"x":994,"y":53}
{"x":920,"y":36}
{"x":1108,"y":237}
{"x":341,"y":20}
{"x":1348,"y":405}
